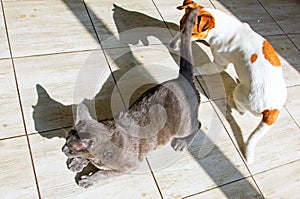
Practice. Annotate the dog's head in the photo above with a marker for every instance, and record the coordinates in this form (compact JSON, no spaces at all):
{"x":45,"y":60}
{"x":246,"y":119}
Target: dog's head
{"x":204,"y":22}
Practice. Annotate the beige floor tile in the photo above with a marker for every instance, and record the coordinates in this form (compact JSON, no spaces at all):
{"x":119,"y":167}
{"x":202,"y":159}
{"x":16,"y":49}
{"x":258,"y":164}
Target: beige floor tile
{"x":250,"y":12}
{"x":286,"y":13}
{"x":296,"y":39}
{"x":4,"y":49}
{"x":53,"y":83}
{"x":122,"y":23}
{"x":281,"y":182}
{"x":44,"y":27}
{"x":56,"y":181}
{"x":293,"y":103}
{"x":289,"y":58}
{"x":211,"y":160}
{"x":245,"y":188}
{"x":135,"y":67}
{"x":10,"y":115}
{"x":279,"y":146}
{"x":17,"y":178}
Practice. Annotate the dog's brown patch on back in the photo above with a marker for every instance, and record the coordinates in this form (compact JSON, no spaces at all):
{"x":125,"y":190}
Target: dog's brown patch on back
{"x":270,"y":116}
{"x":253,"y":58}
{"x":270,"y":54}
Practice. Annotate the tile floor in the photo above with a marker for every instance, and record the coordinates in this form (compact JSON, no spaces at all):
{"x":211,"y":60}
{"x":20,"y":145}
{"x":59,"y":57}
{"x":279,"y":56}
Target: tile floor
{"x":57,"y":53}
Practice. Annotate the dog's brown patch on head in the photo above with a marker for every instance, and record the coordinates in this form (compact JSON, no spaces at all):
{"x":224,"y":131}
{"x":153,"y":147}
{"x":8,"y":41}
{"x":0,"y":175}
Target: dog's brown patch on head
{"x":188,"y":5}
{"x":270,"y":54}
{"x":253,"y":58}
{"x":204,"y":22}
{"x":270,"y":116}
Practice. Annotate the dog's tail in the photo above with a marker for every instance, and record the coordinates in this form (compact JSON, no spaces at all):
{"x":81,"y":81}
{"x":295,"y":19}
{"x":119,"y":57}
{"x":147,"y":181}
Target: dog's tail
{"x":186,"y":56}
{"x":268,"y":119}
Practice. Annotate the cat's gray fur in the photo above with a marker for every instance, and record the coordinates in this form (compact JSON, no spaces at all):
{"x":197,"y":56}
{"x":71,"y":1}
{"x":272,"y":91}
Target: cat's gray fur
{"x":167,"y":112}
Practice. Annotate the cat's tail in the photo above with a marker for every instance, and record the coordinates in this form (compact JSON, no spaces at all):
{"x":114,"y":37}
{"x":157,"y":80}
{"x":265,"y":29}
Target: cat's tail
{"x":269,"y":117}
{"x":186,"y":57}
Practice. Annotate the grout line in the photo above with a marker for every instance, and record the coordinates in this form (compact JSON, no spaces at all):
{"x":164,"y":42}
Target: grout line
{"x":12,"y":137}
{"x":212,"y":4}
{"x":20,"y":101}
{"x":292,"y":42}
{"x":55,"y":53}
{"x":77,"y":51}
{"x":50,"y":130}
{"x":276,"y":167}
{"x":292,"y":86}
{"x":199,"y":83}
{"x":156,"y":183}
{"x":207,"y":190}
{"x":225,"y":184}
{"x":286,"y":108}
{"x":286,"y":34}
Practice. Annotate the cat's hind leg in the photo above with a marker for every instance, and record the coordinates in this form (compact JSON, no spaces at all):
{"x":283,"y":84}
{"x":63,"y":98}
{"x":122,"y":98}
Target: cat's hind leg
{"x":182,"y":143}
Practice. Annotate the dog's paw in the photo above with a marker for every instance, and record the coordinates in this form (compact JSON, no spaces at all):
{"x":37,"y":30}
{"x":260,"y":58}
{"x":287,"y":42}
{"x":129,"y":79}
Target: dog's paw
{"x":85,"y":181}
{"x":76,"y":164}
{"x":179,"y":144}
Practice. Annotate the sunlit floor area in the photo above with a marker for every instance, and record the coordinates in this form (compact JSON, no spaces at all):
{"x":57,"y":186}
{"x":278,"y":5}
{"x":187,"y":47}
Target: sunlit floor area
{"x":55,"y":54}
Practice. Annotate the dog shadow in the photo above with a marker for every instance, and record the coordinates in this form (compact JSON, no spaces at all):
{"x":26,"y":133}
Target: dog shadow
{"x":224,"y":83}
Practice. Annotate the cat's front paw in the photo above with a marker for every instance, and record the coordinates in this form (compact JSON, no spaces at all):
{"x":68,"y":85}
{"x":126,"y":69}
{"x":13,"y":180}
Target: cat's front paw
{"x":175,"y":44}
{"x":76,"y":164}
{"x":179,"y":144}
{"x":85,"y":181}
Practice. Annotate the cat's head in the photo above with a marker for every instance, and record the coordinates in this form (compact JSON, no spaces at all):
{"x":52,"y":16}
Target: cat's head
{"x":87,"y":133}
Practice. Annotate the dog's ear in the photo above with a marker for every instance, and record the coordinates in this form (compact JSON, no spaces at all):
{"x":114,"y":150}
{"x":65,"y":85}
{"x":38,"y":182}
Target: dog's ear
{"x":207,"y":21}
{"x":204,"y":23}
{"x":188,"y":4}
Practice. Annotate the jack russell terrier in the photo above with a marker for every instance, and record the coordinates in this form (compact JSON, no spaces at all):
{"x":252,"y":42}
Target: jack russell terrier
{"x":261,"y":89}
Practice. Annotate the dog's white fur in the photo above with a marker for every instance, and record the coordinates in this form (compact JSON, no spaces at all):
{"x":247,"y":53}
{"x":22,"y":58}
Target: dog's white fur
{"x":262,"y":86}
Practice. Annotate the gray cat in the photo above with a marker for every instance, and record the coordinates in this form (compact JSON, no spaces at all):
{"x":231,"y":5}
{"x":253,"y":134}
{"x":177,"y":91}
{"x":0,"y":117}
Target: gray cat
{"x":167,"y":112}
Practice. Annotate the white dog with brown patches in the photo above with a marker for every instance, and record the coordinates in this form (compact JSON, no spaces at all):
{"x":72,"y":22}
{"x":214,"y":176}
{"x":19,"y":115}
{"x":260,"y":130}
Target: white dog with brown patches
{"x":261,"y":89}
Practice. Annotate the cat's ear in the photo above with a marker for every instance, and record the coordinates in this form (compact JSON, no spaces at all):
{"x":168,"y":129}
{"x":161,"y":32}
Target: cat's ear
{"x":82,"y":113}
